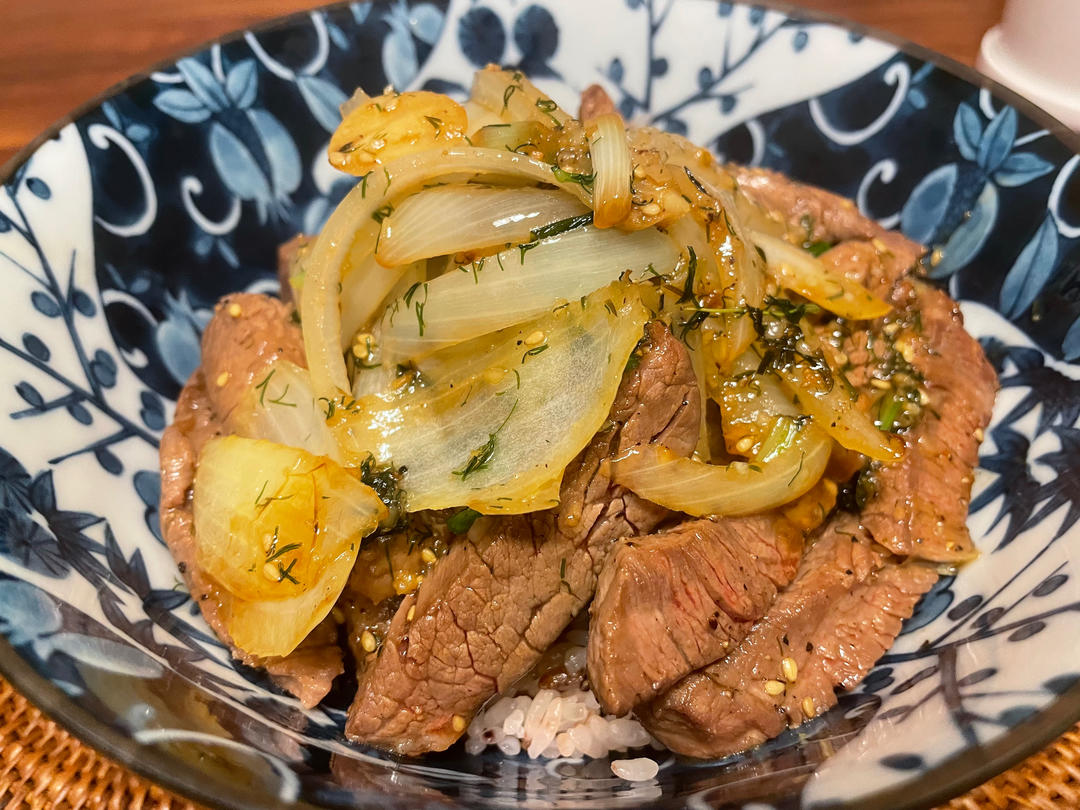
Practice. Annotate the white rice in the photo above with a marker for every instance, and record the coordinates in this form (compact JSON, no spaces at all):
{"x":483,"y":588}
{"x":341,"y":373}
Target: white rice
{"x":544,"y":723}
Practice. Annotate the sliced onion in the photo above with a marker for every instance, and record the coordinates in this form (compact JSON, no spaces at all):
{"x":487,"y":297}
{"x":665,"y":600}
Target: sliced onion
{"x":278,"y":528}
{"x":516,"y":137}
{"x":365,"y":291}
{"x":510,"y":95}
{"x":501,"y":416}
{"x":350,"y":234}
{"x":282,"y":408}
{"x":750,"y":404}
{"x":797,"y":270}
{"x":611,"y":166}
{"x":453,"y":219}
{"x":833,"y":407}
{"x":739,"y":488}
{"x":515,"y":285}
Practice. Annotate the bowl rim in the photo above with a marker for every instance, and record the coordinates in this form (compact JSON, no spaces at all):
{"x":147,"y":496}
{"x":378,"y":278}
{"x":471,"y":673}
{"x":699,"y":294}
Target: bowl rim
{"x":956,"y":775}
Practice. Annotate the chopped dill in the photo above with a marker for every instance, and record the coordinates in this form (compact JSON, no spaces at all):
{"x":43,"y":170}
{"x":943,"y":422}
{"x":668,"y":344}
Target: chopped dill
{"x":261,"y":491}
{"x":285,"y":572}
{"x":281,"y":399}
{"x":261,"y":387}
{"x":479,"y":458}
{"x":435,"y":123}
{"x":583,"y":180}
{"x":561,"y":226}
{"x":535,"y":350}
{"x":283,"y":550}
{"x":691,"y":271}
{"x":381,"y":213}
{"x":461,"y":522}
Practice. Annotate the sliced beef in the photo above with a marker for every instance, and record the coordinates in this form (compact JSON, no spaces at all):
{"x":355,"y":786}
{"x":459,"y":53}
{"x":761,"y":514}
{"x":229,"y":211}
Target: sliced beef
{"x":595,"y":102}
{"x":922,"y":501}
{"x":670,"y":603}
{"x":825,"y":216}
{"x":246,"y":335}
{"x":839,"y":615}
{"x":506,"y":590}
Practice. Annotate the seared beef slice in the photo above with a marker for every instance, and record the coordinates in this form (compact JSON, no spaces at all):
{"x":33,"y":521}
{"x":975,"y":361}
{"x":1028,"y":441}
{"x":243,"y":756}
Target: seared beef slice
{"x":505,"y":591}
{"x":839,"y":615}
{"x":670,"y":603}
{"x":245,"y":336}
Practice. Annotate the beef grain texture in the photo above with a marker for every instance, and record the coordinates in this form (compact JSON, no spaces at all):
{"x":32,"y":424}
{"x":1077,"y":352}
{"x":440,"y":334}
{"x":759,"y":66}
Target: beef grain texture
{"x":839,"y":615}
{"x":236,"y":351}
{"x":670,"y":603}
{"x":505,"y":591}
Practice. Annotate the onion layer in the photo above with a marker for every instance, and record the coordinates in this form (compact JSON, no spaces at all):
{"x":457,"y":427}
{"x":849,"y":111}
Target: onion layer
{"x":453,"y":219}
{"x":612,"y":168}
{"x":350,"y":233}
{"x":797,"y":270}
{"x":515,"y":285}
{"x":278,"y":528}
{"x":739,"y":488}
{"x":498,"y":418}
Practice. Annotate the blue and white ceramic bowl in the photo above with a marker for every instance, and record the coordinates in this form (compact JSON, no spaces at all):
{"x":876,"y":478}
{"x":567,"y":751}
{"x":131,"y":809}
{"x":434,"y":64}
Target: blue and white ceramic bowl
{"x":119,"y":230}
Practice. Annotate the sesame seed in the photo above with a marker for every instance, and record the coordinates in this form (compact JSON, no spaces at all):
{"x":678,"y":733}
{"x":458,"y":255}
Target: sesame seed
{"x":536,"y":338}
{"x":774,"y":688}
{"x":367,"y":641}
{"x":808,"y":707}
{"x":744,"y":444}
{"x":235,"y":310}
{"x":924,"y":397}
{"x":789,"y":669}
{"x":338,"y":615}
{"x":979,"y":435}
{"x":411,"y":613}
{"x":936,"y":257}
{"x":493,"y":375}
{"x":271,"y":572}
{"x":881,"y":385}
{"x":639,"y":172}
{"x":222,"y":378}
{"x":891,"y":329}
{"x":651,"y":210}
{"x":459,"y":723}
{"x":841,"y":359}
{"x":428,"y":556}
{"x":879,"y":246}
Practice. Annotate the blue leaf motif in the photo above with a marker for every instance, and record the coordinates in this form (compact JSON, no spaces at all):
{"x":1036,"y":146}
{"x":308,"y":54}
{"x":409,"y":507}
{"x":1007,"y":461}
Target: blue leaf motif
{"x":30,"y":395}
{"x":14,"y":483}
{"x":426,"y":21}
{"x":1070,"y":346}
{"x":704,"y":78}
{"x":615,"y":70}
{"x":108,"y":461}
{"x":45,"y":304}
{"x":227,"y":253}
{"x":242,"y":83}
{"x":111,"y":114}
{"x":83,"y":303}
{"x":38,"y":187}
{"x":399,"y":58}
{"x":236,"y":165}
{"x":178,"y":346}
{"x":80,"y":413}
{"x":917,"y":98}
{"x":5,"y":223}
{"x":181,"y":105}
{"x":997,"y":140}
{"x":281,"y":150}
{"x":103,"y":653}
{"x":360,"y":11}
{"x":34,"y":345}
{"x":323,"y":99}
{"x":26,"y":612}
{"x":1021,"y":167}
{"x":1031,"y":270}
{"x":152,"y":411}
{"x":103,"y":367}
{"x":800,"y":39}
{"x":481,"y":36}
{"x":967,"y":131}
{"x":659,"y":66}
{"x":337,"y":36}
{"x":928,"y":203}
{"x":203,"y":84}
{"x":138,"y":132}
{"x":967,"y":240}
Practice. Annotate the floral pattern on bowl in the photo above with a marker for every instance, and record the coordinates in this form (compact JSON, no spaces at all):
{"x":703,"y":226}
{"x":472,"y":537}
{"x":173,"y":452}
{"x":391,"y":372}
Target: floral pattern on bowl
{"x":119,"y":231}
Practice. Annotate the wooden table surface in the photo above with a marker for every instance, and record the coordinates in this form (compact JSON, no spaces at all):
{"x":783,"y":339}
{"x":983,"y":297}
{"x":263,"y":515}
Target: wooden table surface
{"x":55,"y":54}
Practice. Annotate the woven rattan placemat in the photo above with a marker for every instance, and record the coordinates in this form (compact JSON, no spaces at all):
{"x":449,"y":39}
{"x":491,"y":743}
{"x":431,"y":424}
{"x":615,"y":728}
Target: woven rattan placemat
{"x":45,"y":768}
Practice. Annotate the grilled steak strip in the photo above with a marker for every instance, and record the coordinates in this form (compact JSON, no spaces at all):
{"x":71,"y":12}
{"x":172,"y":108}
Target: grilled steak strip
{"x":676,"y":601}
{"x":839,"y":615}
{"x":505,"y":591}
{"x":246,"y":335}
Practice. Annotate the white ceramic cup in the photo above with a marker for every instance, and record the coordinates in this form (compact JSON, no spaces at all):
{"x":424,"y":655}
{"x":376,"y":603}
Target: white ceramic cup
{"x":1035,"y":50}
